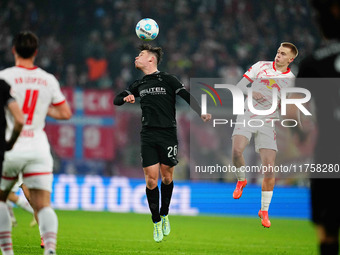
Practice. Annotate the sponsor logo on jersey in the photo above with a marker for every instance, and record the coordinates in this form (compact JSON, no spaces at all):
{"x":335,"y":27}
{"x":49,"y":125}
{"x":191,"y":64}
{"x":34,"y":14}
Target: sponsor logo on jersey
{"x":271,"y":83}
{"x":153,"y":91}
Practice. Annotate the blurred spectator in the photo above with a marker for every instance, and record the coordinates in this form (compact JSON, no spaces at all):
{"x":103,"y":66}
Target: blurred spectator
{"x":202,"y":38}
{"x":231,"y":73}
{"x":94,"y":53}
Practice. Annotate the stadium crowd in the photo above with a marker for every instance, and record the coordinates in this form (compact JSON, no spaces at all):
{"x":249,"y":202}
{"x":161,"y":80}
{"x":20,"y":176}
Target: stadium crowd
{"x":93,"y":43}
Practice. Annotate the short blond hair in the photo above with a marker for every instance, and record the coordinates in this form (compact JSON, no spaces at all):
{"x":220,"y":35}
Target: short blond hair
{"x":292,"y":47}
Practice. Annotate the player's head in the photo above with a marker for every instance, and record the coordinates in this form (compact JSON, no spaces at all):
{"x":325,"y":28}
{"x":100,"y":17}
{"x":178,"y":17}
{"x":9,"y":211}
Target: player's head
{"x":25,"y":44}
{"x":286,"y":54}
{"x":328,"y":16}
{"x":148,"y":55}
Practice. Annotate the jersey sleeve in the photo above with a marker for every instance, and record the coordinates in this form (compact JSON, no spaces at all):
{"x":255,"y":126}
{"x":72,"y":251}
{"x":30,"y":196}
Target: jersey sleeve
{"x":175,"y":83}
{"x":6,"y":92}
{"x":250,"y":75}
{"x":291,"y":81}
{"x":133,"y":88}
{"x":57,"y":96}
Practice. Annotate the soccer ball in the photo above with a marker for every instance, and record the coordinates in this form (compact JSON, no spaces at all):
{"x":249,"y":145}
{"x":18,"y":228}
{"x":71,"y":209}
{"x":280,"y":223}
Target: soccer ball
{"x":147,"y":29}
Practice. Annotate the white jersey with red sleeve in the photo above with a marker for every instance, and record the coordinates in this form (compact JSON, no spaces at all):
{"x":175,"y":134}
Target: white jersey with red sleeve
{"x":35,"y":90}
{"x":265,"y":78}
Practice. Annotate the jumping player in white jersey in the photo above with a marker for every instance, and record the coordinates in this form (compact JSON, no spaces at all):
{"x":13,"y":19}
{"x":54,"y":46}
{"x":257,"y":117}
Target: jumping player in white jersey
{"x":38,"y":94}
{"x":265,"y":77}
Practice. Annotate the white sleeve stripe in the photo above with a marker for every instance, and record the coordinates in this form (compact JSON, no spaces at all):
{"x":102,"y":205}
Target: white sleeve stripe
{"x":10,"y":100}
{"x":59,"y":103}
{"x":128,"y":92}
{"x":178,"y":90}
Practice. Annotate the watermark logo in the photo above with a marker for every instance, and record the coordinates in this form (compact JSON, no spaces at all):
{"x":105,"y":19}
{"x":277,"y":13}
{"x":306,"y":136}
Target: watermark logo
{"x":257,"y":112}
{"x":209,"y":93}
{"x":238,"y":99}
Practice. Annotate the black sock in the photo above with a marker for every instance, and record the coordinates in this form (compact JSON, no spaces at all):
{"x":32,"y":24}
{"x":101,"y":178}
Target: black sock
{"x":166,"y":193}
{"x":153,"y":200}
{"x":329,"y":248}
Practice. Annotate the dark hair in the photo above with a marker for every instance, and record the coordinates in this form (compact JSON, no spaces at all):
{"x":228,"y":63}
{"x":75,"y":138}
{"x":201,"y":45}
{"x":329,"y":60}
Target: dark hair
{"x":155,"y":50}
{"x":25,"y":44}
{"x":328,"y":17}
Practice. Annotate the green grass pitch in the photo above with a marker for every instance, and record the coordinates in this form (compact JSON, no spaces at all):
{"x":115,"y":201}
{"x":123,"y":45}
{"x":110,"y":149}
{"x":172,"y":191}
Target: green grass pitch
{"x":91,"y":233}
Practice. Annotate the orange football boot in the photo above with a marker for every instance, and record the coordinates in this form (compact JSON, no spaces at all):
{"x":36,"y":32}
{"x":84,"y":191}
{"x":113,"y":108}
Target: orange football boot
{"x":264,"y":218}
{"x":239,"y":189}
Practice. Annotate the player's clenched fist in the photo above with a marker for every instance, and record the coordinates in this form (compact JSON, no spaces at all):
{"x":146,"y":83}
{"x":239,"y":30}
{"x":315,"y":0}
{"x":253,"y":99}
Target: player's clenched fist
{"x":257,"y":95}
{"x":129,"y":99}
{"x":206,"y":117}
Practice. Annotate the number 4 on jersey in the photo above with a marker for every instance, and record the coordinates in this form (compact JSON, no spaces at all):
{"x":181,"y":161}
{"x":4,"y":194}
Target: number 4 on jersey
{"x":28,"y":108}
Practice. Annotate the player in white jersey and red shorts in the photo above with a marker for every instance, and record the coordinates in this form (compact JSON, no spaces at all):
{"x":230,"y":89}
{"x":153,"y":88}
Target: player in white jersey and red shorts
{"x":265,"y":77}
{"x":38,"y":94}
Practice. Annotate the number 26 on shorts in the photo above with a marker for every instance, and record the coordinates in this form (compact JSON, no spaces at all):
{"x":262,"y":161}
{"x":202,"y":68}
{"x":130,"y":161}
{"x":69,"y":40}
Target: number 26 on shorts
{"x":172,"y":151}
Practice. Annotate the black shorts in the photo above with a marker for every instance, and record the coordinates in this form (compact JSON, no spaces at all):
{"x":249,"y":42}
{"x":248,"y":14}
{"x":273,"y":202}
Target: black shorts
{"x":159,"y":145}
{"x":325,"y":194}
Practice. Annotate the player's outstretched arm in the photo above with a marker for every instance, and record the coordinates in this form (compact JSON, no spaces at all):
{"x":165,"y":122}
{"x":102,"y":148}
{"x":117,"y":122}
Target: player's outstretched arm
{"x":242,"y":85}
{"x":191,"y":100}
{"x":14,"y":108}
{"x":124,"y":97}
{"x":60,"y":112}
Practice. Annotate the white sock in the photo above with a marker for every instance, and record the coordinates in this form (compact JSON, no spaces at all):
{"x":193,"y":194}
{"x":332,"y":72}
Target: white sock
{"x":5,"y":230}
{"x":240,"y":174}
{"x":10,"y":210}
{"x":266,"y":198}
{"x":23,"y":203}
{"x":48,"y":223}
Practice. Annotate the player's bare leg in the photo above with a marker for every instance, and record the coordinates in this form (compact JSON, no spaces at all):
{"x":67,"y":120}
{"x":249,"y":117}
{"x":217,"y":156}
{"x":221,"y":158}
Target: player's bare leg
{"x":238,"y":145}
{"x":268,"y":160}
{"x":166,"y":193}
{"x":48,"y":221}
{"x":26,"y":191}
{"x":35,"y":216}
{"x":151,"y":174}
{"x":34,"y":221}
{"x":27,"y":195}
